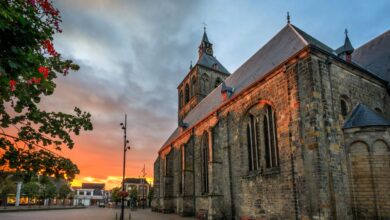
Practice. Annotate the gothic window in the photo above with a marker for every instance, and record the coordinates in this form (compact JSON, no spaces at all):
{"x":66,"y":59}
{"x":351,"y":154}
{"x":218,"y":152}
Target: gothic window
{"x":217,"y":82}
{"x":205,"y":163}
{"x":181,"y":99}
{"x":187,"y":93}
{"x":215,"y":66}
{"x":193,"y":86}
{"x":252,"y":131}
{"x":204,"y":84}
{"x":270,"y":138}
{"x":182,"y":164}
{"x":344,"y":106}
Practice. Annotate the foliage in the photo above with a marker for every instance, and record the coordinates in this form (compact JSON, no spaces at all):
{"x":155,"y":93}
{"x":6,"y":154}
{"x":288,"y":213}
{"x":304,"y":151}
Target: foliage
{"x":31,"y":190}
{"x":133,"y":194}
{"x":47,"y":188}
{"x":64,"y":191}
{"x":115,"y":194}
{"x":28,"y":66}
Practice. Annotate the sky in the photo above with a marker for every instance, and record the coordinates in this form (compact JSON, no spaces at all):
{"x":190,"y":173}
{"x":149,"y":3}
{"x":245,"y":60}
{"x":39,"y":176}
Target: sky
{"x":133,"y":54}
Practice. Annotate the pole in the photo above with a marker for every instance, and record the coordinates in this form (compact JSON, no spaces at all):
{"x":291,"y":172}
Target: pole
{"x":143,"y":187}
{"x":125,"y":148}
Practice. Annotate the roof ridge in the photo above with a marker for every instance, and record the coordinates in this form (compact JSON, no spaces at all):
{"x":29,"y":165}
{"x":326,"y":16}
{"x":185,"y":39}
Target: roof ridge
{"x":373,"y":39}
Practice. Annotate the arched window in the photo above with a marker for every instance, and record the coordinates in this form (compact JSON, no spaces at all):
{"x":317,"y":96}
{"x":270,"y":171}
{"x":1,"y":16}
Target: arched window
{"x":204,"y":84}
{"x":182,"y":165}
{"x":344,"y":107}
{"x":193,"y":86}
{"x":181,"y":99}
{"x":378,"y":110}
{"x":187,"y":93}
{"x":205,"y":163}
{"x":252,"y":132}
{"x":217,"y":82}
{"x":270,"y":138}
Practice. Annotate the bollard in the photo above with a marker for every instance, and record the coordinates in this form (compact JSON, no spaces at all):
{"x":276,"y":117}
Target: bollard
{"x":129,"y":215}
{"x":116,"y":216}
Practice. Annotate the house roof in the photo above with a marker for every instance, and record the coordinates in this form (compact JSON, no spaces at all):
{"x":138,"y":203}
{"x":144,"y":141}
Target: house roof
{"x":93,"y":186}
{"x":375,"y":56}
{"x":135,"y":180}
{"x":364,"y":116}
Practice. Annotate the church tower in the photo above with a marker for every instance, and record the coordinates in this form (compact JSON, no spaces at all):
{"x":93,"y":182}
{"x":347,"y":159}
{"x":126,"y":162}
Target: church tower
{"x":201,"y":79}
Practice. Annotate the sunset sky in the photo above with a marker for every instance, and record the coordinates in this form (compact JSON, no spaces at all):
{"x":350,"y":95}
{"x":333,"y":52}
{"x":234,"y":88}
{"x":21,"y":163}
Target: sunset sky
{"x":133,"y":54}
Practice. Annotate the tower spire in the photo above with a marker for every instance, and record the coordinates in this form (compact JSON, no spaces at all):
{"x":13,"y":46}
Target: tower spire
{"x":205,"y":45}
{"x":288,"y":17}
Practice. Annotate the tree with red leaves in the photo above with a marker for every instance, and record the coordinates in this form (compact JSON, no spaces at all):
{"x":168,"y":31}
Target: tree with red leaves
{"x":28,"y":65}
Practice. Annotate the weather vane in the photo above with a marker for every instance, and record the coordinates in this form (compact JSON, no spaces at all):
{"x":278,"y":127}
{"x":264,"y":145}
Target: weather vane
{"x":204,"y":26}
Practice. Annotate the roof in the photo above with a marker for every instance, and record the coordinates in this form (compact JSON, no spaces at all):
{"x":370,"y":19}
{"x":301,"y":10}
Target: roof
{"x":347,"y":46}
{"x":364,"y":116}
{"x":92,"y":186}
{"x":209,"y":62}
{"x":375,"y":56}
{"x":285,"y":44}
{"x":205,"y":38}
{"x":135,"y":180}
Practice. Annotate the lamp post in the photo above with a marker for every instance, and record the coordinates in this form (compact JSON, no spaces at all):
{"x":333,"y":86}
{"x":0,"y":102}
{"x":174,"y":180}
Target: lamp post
{"x":125,"y":148}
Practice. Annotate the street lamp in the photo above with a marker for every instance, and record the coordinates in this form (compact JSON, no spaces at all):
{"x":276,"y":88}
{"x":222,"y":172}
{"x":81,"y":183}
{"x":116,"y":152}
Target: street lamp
{"x":125,"y":148}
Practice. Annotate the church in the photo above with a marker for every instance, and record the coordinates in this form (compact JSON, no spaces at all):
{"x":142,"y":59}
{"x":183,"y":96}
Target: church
{"x":299,"y":131}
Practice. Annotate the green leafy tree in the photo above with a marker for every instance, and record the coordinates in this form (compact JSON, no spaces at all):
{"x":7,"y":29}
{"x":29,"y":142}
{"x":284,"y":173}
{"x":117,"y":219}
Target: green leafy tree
{"x":133,"y":194}
{"x":47,"y":189}
{"x":63,"y":192}
{"x":115,"y":195}
{"x":150,"y":195}
{"x":7,"y":186}
{"x":29,"y":64}
{"x":31,"y":190}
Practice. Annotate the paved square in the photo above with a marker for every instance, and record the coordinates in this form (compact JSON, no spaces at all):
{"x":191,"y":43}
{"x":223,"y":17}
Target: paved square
{"x":89,"y":214}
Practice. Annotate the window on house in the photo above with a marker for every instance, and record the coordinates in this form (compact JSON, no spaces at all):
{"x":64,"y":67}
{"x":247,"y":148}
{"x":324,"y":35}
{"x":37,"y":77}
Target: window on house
{"x":88,"y":193}
{"x":187,"y":93}
{"x":270,"y":138}
{"x":217,"y":82}
{"x":205,"y":163}
{"x":81,"y":193}
{"x":253,"y":143}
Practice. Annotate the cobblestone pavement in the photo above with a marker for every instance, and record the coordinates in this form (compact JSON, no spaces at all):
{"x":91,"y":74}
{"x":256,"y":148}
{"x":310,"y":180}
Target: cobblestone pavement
{"x":88,"y":214}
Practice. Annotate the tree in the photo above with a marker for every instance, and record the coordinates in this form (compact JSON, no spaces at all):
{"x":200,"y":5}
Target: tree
{"x":29,"y":64}
{"x":31,"y":190}
{"x":150,"y":195}
{"x":115,"y":195}
{"x":133,"y":196}
{"x":63,"y":192}
{"x":7,"y":186}
{"x":47,"y":189}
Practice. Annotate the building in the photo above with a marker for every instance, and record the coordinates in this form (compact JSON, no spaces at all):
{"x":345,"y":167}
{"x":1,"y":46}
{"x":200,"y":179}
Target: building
{"x":142,"y":188}
{"x":299,"y":131}
{"x":90,"y":194}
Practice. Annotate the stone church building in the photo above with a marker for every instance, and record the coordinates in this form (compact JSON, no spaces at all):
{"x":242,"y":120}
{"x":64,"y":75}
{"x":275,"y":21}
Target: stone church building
{"x":299,"y":131}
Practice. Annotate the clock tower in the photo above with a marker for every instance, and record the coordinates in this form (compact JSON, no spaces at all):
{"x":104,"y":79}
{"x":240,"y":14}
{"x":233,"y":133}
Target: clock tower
{"x":201,"y":79}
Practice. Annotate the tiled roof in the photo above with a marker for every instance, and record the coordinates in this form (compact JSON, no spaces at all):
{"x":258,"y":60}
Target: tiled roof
{"x":364,"y":116}
{"x":209,"y":62}
{"x":92,"y":185}
{"x":135,"y":180}
{"x":375,"y":56}
{"x":288,"y":42}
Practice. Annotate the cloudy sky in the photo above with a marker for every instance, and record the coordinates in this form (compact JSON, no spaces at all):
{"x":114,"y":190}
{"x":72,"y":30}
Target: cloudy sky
{"x":133,"y":54}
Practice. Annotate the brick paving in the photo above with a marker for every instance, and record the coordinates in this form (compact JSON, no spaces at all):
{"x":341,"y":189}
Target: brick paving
{"x":89,"y":214}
